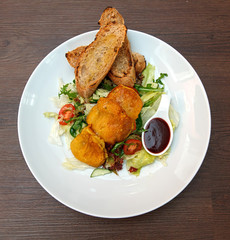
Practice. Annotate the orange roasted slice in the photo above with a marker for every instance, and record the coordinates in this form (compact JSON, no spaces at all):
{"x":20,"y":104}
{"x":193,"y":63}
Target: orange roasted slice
{"x":89,"y":148}
{"x":128,"y":98}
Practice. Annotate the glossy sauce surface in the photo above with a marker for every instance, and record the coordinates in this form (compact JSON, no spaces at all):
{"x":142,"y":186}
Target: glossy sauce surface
{"x":157,"y":135}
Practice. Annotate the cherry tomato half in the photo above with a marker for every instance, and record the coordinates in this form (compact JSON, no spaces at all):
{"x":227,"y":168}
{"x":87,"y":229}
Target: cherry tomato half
{"x":131,"y":146}
{"x":66,"y":113}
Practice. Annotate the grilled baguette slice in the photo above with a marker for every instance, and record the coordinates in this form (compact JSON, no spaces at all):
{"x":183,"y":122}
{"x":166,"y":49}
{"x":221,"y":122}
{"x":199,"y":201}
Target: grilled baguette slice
{"x":122,"y":70}
{"x":73,"y":56}
{"x":96,"y":60}
{"x":110,"y":15}
{"x":139,"y":60}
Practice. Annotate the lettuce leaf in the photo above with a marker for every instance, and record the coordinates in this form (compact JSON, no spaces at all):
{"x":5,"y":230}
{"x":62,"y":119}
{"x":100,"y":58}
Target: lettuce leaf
{"x":50,"y":115}
{"x":139,"y":160}
{"x":148,"y":111}
{"x":149,"y":76}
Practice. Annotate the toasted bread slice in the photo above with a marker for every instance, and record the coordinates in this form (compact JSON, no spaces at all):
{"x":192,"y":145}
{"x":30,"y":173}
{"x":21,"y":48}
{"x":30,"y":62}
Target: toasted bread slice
{"x":110,"y":15}
{"x":122,"y":70}
{"x":73,"y":56}
{"x":139,"y":60}
{"x":97,"y":58}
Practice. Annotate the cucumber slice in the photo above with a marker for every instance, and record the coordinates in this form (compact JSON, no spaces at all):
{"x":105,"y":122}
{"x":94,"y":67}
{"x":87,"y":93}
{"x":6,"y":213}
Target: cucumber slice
{"x":100,"y":172}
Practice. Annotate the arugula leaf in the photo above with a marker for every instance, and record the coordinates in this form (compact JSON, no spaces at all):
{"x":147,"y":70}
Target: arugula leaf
{"x":118,"y":146}
{"x":106,"y":84}
{"x":139,"y":125}
{"x":139,"y":122}
{"x":91,"y":100}
{"x":64,"y":90}
{"x":148,"y":88}
{"x":162,"y":75}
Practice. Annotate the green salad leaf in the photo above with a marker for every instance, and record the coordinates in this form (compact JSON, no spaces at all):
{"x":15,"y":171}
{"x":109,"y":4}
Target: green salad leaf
{"x":139,"y":160}
{"x":66,"y":91}
{"x":149,"y":75}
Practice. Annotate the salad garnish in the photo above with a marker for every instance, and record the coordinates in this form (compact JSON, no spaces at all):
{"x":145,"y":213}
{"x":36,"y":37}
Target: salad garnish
{"x":74,"y":109}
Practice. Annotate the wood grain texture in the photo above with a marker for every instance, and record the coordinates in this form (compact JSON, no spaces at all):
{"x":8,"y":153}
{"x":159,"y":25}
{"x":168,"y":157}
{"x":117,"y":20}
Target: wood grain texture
{"x":200,"y":31}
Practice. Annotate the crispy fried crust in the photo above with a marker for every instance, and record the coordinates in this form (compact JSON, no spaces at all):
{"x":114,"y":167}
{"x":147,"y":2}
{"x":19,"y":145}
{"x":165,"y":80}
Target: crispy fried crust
{"x":97,"y":58}
{"x":109,"y":121}
{"x":89,"y":148}
{"x":128,"y":98}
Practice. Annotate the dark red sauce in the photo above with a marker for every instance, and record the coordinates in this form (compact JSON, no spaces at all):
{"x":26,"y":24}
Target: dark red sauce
{"x":157,"y":135}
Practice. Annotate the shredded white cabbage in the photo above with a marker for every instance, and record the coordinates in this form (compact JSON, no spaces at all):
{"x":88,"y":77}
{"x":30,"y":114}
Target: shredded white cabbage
{"x":73,"y":163}
{"x":55,"y":134}
{"x":100,"y":92}
{"x":68,"y":137}
{"x":88,"y":107}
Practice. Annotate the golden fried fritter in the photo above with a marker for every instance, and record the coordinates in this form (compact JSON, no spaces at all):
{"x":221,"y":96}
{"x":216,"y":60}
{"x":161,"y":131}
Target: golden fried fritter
{"x":89,"y":148}
{"x":109,"y":121}
{"x":128,"y":98}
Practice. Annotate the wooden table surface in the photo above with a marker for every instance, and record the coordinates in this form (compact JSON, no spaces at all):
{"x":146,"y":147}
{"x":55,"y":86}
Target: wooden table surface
{"x":200,"y":31}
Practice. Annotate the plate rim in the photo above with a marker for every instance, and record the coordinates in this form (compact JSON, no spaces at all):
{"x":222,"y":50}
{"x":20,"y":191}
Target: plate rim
{"x":20,"y":130}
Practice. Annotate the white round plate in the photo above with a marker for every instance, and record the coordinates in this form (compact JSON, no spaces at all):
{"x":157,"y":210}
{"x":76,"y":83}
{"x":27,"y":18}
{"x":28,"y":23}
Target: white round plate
{"x":111,"y":196}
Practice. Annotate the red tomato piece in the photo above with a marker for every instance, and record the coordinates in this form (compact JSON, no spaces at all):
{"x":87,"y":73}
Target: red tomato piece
{"x":133,"y":169}
{"x":66,"y":113}
{"x":131,"y":146}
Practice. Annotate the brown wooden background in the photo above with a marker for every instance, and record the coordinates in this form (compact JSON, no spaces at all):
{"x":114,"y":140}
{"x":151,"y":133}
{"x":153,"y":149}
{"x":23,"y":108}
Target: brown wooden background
{"x":200,"y":31}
